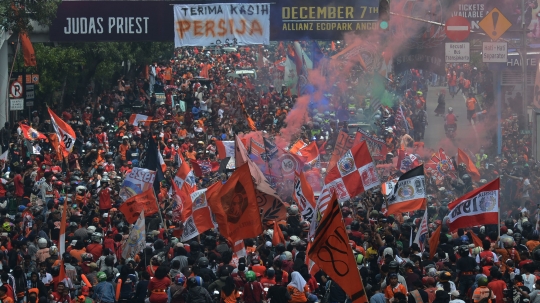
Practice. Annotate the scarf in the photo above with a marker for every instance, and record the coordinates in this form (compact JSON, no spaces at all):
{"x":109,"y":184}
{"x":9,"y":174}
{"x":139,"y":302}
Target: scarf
{"x":297,"y":281}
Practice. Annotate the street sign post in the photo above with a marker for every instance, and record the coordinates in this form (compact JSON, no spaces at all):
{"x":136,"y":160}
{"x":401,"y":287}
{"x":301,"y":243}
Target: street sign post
{"x":495,"y":24}
{"x":493,"y":52}
{"x":457,"y":52}
{"x":16,"y":104}
{"x":457,"y":28}
{"x":16,"y":89}
{"x":30,"y":94}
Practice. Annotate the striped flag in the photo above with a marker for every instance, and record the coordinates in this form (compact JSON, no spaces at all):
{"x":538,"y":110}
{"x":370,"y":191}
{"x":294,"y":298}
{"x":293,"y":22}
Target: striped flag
{"x":62,"y":239}
{"x":322,"y":204}
{"x":257,"y":148}
{"x":422,"y":232}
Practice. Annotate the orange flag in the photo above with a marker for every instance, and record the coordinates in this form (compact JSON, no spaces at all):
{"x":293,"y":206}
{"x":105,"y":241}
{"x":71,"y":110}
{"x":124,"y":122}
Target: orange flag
{"x":434,"y":241}
{"x":333,"y":46}
{"x":331,"y":251}
{"x":471,"y":168}
{"x":235,"y":207}
{"x":53,"y":139}
{"x":28,"y":50}
{"x":278,"y":235}
{"x":477,"y":242}
{"x":133,"y":206}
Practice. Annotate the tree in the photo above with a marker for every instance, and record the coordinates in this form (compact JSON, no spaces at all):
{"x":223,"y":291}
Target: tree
{"x":16,"y":15}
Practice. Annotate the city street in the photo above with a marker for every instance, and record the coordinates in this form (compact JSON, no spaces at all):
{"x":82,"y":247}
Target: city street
{"x":467,"y":136}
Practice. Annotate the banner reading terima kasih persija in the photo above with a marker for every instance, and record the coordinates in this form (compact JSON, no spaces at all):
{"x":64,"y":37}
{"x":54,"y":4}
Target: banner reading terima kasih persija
{"x":220,"y":23}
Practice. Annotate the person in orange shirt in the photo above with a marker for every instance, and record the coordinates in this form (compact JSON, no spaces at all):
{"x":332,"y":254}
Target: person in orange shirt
{"x":471,"y":107}
{"x":393,"y":288}
{"x":229,"y":293}
{"x":298,"y":288}
{"x":123,"y":148}
{"x":3,"y":295}
{"x":191,"y":153}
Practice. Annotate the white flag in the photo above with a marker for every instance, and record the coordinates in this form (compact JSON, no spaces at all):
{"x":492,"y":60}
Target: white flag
{"x":136,"y":240}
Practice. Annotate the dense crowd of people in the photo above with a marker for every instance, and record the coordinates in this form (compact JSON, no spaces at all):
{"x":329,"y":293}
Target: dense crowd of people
{"x":205,"y":95}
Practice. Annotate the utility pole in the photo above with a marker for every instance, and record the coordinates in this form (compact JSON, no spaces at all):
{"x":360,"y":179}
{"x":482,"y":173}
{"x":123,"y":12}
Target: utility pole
{"x":524,"y":63}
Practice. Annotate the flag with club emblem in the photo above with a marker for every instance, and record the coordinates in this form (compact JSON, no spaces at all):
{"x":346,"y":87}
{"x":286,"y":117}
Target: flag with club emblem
{"x":353,"y":174}
{"x":65,"y":133}
{"x":136,"y":241}
{"x":311,"y":153}
{"x":30,"y":133}
{"x":409,"y":192}
{"x":200,"y":217}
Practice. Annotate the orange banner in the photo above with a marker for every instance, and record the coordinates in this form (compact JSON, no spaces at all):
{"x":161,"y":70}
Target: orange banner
{"x":343,"y":144}
{"x":330,"y":250}
{"x":28,"y":50}
{"x":277,"y":237}
{"x":235,"y":207}
{"x":471,"y":168}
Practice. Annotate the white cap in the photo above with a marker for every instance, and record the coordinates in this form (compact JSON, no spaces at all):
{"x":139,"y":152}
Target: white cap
{"x":268,"y":244}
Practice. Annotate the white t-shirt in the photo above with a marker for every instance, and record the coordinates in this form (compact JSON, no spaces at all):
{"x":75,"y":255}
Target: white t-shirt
{"x":526,"y":184}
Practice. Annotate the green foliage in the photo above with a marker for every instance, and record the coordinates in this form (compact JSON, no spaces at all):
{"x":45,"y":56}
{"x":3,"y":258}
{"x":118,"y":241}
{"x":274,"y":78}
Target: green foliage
{"x":79,"y":64}
{"x":16,"y":15}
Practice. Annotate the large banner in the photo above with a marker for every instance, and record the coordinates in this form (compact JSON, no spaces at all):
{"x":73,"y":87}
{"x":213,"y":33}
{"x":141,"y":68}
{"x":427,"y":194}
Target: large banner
{"x":136,"y":182}
{"x":377,"y":147}
{"x":210,"y":24}
{"x":324,"y":20}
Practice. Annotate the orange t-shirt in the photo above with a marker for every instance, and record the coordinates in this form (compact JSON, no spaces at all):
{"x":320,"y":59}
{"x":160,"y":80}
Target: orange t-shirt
{"x":471,"y":103}
{"x":122,"y":149}
{"x":389,"y":291}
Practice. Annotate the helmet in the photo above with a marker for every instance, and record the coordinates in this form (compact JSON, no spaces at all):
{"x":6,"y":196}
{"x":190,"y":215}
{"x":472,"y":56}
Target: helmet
{"x":393,"y":265}
{"x":96,"y":237}
{"x":509,"y":223}
{"x":42,"y":243}
{"x":101,"y":276}
{"x":53,"y":250}
{"x":359,"y":259}
{"x":464,"y":239}
{"x":466,"y":178}
{"x":6,"y":226}
{"x":194,"y":281}
{"x":293,"y":210}
{"x":180,"y":279}
{"x":419,"y":93}
{"x":355,"y":225}
{"x":203,"y":262}
{"x":304,"y":225}
{"x":450,"y":109}
{"x":87,"y":257}
{"x":445,"y":276}
{"x":463,"y":250}
{"x":517,"y":237}
{"x":21,"y":208}
{"x":482,"y":281}
{"x":251,"y":276}
{"x":255,"y":259}
{"x":477,"y":250}
{"x":91,"y":229}
{"x":507,"y":242}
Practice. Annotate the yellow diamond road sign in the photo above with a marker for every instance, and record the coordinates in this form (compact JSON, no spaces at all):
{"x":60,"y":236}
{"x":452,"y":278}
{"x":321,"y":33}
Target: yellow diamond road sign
{"x":495,"y":24}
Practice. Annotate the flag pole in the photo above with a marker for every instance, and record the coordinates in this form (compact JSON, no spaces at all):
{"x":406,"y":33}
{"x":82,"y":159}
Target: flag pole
{"x":499,"y":208}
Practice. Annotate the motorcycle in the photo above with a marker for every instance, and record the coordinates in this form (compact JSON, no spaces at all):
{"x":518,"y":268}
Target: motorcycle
{"x":451,"y":132}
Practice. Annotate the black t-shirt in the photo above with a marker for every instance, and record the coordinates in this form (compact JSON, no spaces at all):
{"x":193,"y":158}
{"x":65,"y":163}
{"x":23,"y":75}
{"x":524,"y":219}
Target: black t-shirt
{"x":54,"y":227}
{"x":466,"y":264}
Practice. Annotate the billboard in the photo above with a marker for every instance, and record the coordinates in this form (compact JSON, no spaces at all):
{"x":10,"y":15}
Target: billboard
{"x":100,"y":21}
{"x":208,"y":24}
{"x":322,"y":20}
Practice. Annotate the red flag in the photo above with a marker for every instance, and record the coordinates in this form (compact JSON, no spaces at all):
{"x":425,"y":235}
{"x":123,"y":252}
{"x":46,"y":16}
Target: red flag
{"x":277,"y":237}
{"x":133,"y":206}
{"x":477,"y":242}
{"x":353,"y":174}
{"x":310,"y":152}
{"x":297,"y":146}
{"x":28,"y":50}
{"x":343,"y":143}
{"x":331,"y":251}
{"x":201,"y":217}
{"x":30,"y":133}
{"x":471,"y":168}
{"x":478,"y":207}
{"x":225,"y":148}
{"x":66,"y":134}
{"x":201,"y":168}
{"x":434,"y":242}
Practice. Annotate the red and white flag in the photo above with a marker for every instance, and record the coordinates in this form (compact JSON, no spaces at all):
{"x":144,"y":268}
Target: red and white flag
{"x":184,"y":174}
{"x":200,"y":217}
{"x":303,"y":195}
{"x":65,"y":133}
{"x":478,"y":207}
{"x":387,"y":188}
{"x":136,"y":119}
{"x":422,"y":232}
{"x":62,"y":238}
{"x":257,"y":148}
{"x":225,"y":149}
{"x":31,"y":134}
{"x":353,"y":174}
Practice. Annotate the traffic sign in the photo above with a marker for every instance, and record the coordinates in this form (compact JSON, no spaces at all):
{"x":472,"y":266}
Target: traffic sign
{"x":16,"y":104}
{"x":458,"y":52}
{"x":30,"y":91}
{"x":495,"y":24}
{"x":16,"y":89}
{"x":495,"y":52}
{"x":457,"y":28}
